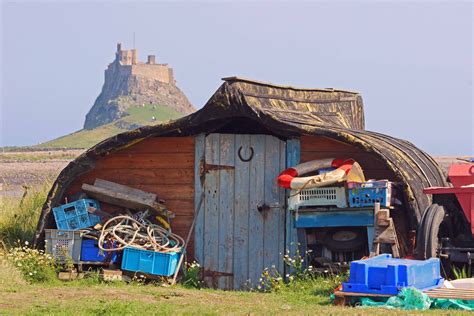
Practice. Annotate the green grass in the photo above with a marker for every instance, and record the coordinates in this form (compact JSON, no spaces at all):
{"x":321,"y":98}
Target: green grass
{"x":137,"y":116}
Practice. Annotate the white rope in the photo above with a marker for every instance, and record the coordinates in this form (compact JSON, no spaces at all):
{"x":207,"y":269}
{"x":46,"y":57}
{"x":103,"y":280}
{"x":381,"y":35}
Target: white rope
{"x":128,"y":232}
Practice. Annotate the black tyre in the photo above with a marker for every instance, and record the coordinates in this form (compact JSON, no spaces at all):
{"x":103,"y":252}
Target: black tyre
{"x":345,"y":239}
{"x":428,"y":232}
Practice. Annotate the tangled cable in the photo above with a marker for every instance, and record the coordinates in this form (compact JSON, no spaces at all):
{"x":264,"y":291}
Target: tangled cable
{"x":127,"y":231}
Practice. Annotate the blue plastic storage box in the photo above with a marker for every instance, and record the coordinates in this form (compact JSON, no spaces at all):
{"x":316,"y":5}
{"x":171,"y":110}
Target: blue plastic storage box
{"x":90,"y":252}
{"x":146,"y":261}
{"x":74,"y":215}
{"x":386,"y":275}
{"x":368,"y":193}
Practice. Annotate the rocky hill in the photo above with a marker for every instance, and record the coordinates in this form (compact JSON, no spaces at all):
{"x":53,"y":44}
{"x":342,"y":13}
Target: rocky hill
{"x":129,"y":82}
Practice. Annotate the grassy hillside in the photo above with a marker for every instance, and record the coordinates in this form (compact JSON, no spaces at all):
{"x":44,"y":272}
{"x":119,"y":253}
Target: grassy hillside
{"x":138,"y":116}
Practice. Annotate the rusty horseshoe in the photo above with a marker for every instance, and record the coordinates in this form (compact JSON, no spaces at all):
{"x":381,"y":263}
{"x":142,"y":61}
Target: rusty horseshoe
{"x":247,"y":159}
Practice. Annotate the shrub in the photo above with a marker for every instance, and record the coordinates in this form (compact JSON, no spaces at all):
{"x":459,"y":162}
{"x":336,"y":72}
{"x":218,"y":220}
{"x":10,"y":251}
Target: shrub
{"x":34,"y":264}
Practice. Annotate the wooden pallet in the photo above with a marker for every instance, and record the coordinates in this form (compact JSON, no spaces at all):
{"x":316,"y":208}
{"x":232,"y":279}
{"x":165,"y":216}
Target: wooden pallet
{"x":345,"y":298}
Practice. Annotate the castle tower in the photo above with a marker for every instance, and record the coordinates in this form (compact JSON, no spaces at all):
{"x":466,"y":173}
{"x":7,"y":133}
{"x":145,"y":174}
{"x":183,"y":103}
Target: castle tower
{"x":134,"y":56}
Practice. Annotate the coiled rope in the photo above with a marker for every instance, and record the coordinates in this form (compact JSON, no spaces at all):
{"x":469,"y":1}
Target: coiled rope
{"x":128,"y":232}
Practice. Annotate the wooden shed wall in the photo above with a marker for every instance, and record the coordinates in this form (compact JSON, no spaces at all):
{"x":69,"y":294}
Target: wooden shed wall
{"x":161,"y":165}
{"x":317,"y":147}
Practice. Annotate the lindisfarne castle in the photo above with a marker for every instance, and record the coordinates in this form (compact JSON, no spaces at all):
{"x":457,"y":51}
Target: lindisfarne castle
{"x":131,"y":82}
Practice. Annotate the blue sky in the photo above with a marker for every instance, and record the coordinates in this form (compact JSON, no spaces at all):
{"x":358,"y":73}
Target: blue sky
{"x":412,"y":61}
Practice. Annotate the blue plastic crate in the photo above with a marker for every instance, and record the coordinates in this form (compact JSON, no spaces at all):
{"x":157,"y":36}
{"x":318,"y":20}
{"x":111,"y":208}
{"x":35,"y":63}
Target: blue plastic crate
{"x":146,"y":261}
{"x":368,"y":193}
{"x":386,"y":275}
{"x":74,"y":215}
{"x":90,"y":252}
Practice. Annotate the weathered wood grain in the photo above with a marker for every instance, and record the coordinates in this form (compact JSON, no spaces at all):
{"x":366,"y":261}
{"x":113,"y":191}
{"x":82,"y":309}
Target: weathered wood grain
{"x":226,"y":210}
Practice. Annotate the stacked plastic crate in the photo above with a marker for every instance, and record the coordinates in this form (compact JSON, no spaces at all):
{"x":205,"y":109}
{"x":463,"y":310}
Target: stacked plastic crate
{"x":67,"y":241}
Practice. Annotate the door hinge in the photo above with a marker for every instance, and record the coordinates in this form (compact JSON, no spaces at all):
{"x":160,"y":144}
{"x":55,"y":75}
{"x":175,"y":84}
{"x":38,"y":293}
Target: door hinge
{"x":205,"y":167}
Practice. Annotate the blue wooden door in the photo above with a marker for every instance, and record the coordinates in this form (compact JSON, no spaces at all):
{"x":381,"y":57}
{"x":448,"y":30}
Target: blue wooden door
{"x":240,"y":229}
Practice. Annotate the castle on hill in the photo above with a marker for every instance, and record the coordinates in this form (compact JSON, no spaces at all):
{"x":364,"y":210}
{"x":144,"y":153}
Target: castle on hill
{"x":130,"y":82}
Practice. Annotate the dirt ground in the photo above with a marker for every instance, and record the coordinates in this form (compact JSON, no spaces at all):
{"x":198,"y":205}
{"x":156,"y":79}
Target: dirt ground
{"x":33,"y":168}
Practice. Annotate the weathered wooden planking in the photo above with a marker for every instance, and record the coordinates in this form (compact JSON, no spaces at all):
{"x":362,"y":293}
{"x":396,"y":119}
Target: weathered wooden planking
{"x":272,"y":199}
{"x":281,"y":210}
{"x":364,"y":159}
{"x":256,"y":199}
{"x":132,"y":176}
{"x":232,"y":219}
{"x":146,"y":197}
{"x":241,"y":215}
{"x":146,"y":160}
{"x":324,"y":144}
{"x":198,"y":195}
{"x":226,"y":210}
{"x":162,"y":145}
{"x":165,"y":192}
{"x":126,"y":199}
{"x":211,"y":217}
{"x":293,"y":151}
{"x":458,"y":294}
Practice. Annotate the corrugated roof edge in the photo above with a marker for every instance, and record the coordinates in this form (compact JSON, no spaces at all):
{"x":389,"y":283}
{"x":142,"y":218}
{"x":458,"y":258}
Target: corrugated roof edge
{"x":235,"y":78}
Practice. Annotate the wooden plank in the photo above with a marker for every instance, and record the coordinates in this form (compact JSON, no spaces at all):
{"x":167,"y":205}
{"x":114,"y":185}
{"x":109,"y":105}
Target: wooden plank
{"x":292,"y":159}
{"x":129,"y":176}
{"x":137,"y":194}
{"x":272,"y":197}
{"x":162,"y":145}
{"x":241,"y":211}
{"x":69,"y":276}
{"x":165,"y":192}
{"x":324,"y":144}
{"x":340,"y":293}
{"x":120,"y":199}
{"x":199,"y":228}
{"x":226,"y":210}
{"x":256,"y":199}
{"x":281,"y":211}
{"x":144,"y":161}
{"x":211,"y":217}
{"x":364,"y":159}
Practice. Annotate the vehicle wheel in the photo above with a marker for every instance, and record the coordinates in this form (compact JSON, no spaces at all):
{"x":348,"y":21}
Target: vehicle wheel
{"x":428,"y":232}
{"x":344,"y":239}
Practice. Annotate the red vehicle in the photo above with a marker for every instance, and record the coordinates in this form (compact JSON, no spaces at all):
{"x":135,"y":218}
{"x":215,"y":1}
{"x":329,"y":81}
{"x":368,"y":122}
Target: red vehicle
{"x":446,"y":229}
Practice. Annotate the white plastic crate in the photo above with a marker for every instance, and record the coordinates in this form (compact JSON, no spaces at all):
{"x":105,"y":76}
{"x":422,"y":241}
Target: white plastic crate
{"x":64,"y":244}
{"x":326,"y":196}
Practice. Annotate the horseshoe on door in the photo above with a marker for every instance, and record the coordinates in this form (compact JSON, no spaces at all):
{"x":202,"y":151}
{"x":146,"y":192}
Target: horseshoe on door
{"x":245,"y":159}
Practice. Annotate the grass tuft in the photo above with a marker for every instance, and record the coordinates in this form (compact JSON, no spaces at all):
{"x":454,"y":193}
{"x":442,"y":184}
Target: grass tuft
{"x":19,"y":216}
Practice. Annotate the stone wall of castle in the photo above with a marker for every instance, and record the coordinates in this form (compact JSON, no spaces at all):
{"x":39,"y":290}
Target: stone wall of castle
{"x":158,"y":72}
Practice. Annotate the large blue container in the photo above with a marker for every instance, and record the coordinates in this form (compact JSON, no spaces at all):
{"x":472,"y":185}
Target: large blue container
{"x":386,"y":275}
{"x":74,"y":215}
{"x":152,"y":262}
{"x":90,"y":252}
